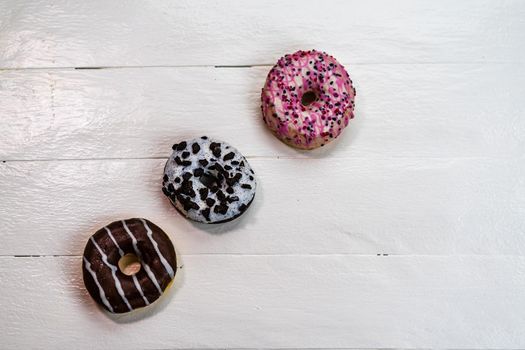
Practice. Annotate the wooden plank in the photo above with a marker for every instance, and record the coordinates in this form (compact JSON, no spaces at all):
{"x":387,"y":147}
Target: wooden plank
{"x":236,"y":32}
{"x":405,"y":233}
{"x":402,"y":111}
{"x":397,"y":206}
{"x":277,"y":302}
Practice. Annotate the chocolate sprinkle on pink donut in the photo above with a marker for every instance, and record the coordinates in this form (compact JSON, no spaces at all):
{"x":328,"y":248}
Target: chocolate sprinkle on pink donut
{"x":308,"y":99}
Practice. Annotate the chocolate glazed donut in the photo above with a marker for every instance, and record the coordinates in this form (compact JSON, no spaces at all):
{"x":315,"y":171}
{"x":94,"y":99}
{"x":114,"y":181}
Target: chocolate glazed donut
{"x":116,"y":291}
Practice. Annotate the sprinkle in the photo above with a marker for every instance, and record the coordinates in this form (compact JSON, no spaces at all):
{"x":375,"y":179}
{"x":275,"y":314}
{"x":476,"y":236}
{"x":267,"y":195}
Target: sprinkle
{"x":203,"y":193}
{"x":231,"y":199}
{"x":220,"y":209}
{"x":206,"y":213}
{"x":228,"y":156}
{"x":221,"y":196}
{"x":195,"y":148}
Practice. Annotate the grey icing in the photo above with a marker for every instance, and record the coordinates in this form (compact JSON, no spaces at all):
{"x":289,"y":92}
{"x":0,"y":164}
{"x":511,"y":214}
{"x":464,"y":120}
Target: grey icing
{"x":208,"y":180}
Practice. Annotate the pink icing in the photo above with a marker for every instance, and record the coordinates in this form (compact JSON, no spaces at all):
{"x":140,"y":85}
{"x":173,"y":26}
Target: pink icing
{"x":313,"y":125}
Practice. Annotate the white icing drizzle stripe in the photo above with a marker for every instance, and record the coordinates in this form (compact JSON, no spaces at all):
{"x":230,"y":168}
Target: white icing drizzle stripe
{"x":135,"y":280}
{"x":100,"y":290}
{"x":114,"y":241}
{"x":139,"y":288}
{"x":137,"y":251}
{"x":163,"y":260}
{"x":113,"y":268}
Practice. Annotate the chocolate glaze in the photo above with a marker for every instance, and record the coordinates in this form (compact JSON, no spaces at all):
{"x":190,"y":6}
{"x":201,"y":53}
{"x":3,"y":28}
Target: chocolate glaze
{"x":114,"y":290}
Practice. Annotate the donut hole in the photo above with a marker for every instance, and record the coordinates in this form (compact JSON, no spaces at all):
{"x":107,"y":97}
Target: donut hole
{"x":209,"y":179}
{"x":129,"y":264}
{"x":308,"y":98}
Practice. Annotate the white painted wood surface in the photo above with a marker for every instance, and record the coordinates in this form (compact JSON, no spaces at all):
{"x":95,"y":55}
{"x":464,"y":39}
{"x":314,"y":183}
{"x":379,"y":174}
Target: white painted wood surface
{"x":460,"y":110}
{"x":408,"y":232}
{"x":317,"y":206}
{"x":276,"y":301}
{"x":36,"y":33}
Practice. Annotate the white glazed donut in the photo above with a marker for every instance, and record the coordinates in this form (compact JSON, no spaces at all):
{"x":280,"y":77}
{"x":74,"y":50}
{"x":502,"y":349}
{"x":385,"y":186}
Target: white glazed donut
{"x":208,"y":180}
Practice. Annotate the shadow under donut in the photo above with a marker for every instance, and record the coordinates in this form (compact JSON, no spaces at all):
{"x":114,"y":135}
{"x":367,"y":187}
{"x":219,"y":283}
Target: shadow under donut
{"x":235,"y":223}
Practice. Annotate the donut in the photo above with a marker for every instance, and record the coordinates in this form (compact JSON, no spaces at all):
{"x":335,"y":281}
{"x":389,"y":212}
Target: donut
{"x":308,"y":99}
{"x":115,"y":290}
{"x":208,"y":180}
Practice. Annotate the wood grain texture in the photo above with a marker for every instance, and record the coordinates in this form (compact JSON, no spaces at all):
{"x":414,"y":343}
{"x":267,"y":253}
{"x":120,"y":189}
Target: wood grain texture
{"x":402,"y":111}
{"x":407,"y":232}
{"x":277,"y":302}
{"x":235,"y":32}
{"x":399,"y":206}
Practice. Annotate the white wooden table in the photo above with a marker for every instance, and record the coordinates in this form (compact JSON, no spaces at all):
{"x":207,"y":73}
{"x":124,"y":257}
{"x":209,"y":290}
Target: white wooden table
{"x":407,"y":232}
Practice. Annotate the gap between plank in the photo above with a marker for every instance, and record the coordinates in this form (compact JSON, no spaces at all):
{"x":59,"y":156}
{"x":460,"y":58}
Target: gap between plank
{"x":358,"y":255}
{"x":320,"y":157}
{"x":339,"y":348}
{"x":244,"y":66}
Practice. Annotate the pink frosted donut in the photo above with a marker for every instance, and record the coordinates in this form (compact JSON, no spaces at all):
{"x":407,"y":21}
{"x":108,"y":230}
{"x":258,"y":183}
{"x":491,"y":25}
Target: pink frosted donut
{"x":308,"y":99}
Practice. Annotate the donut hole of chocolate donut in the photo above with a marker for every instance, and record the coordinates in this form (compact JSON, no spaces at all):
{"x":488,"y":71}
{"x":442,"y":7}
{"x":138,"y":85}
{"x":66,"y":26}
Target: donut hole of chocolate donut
{"x":308,"y":98}
{"x":129,"y":264}
{"x":209,"y":179}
